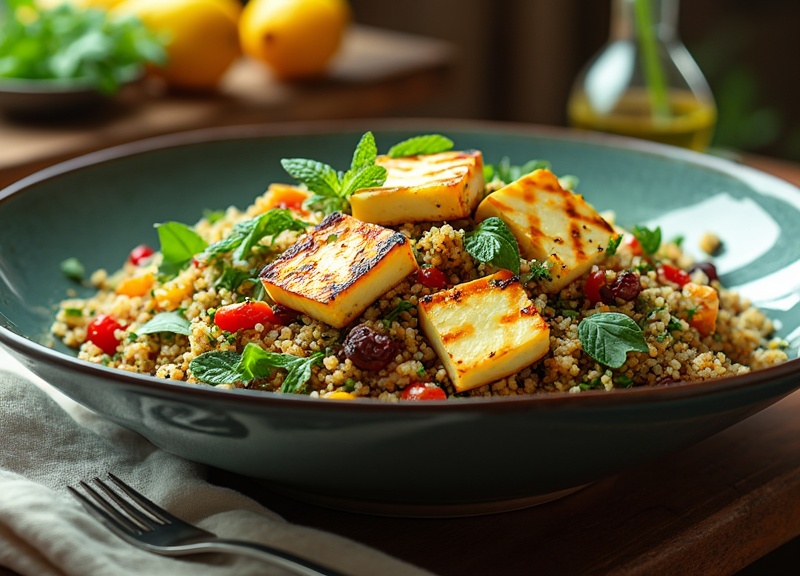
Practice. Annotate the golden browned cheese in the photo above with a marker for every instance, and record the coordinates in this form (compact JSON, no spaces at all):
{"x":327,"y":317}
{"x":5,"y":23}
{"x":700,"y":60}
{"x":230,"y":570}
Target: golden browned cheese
{"x":337,"y":270}
{"x":484,"y":330}
{"x":426,"y":188}
{"x":551,"y":225}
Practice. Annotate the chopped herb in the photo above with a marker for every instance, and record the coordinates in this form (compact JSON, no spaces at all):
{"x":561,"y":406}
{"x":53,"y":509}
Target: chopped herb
{"x":331,"y":239}
{"x":213,"y":216}
{"x":179,"y":244}
{"x":421,"y":371}
{"x":331,"y":189}
{"x":168,"y":322}
{"x":395,"y":314}
{"x":569,"y":313}
{"x":623,"y":381}
{"x":608,"y":337}
{"x":73,"y":269}
{"x":419,"y":145}
{"x":254,"y":363}
{"x":678,"y":241}
{"x":650,"y":240}
{"x":613,"y":244}
{"x":73,"y":312}
{"x":690,"y":313}
{"x":132,"y":336}
{"x":674,"y":324}
{"x":593,"y":385}
{"x":245,"y":235}
{"x":492,"y":242}
{"x":231,"y":278}
{"x":349,"y":385}
{"x":505,"y":173}
{"x":538,"y":271}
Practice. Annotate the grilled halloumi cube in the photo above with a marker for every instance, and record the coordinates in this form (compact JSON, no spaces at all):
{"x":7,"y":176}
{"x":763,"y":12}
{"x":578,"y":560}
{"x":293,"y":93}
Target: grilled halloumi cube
{"x":551,"y":225}
{"x":337,"y":270}
{"x":440,"y":187}
{"x":484,"y":330}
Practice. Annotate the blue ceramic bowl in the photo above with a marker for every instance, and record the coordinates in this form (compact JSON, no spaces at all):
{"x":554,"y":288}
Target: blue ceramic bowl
{"x":453,"y":457}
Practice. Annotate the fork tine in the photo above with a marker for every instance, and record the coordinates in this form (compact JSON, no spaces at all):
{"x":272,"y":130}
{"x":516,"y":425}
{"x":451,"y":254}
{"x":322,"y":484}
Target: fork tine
{"x":147,"y":505}
{"x":103,"y":511}
{"x":137,"y":516}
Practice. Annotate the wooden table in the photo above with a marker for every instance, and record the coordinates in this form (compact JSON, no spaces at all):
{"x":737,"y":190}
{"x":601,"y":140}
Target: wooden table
{"x":713,"y":509}
{"x":378,"y":73}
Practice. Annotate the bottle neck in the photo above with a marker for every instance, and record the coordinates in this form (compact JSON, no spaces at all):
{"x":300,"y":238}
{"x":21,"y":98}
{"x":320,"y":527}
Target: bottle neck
{"x":628,"y":16}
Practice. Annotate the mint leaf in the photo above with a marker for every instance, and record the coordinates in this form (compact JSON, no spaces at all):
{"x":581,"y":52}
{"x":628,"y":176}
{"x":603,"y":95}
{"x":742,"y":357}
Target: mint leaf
{"x":171,"y":322}
{"x":363,"y":172}
{"x":418,"y":145}
{"x":608,"y":337}
{"x":492,"y":242}
{"x":245,"y":235}
{"x":650,"y":240}
{"x":253,"y":363}
{"x":179,"y":244}
{"x":317,"y":176}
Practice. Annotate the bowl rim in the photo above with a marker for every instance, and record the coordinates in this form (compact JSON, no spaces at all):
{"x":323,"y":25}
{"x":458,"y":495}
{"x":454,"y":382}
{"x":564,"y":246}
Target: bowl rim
{"x":253,"y":399}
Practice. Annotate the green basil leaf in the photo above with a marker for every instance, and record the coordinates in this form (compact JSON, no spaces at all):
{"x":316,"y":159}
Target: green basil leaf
{"x":179,"y":244}
{"x":172,"y":322}
{"x":650,"y":240}
{"x":608,"y":337}
{"x":317,"y":176}
{"x":492,"y":242}
{"x":216,"y":367}
{"x":418,"y":145}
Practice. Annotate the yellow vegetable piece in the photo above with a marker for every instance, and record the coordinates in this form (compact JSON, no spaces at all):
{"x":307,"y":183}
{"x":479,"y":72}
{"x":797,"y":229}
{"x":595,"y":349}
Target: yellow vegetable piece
{"x":340,"y":395}
{"x":170,"y":296}
{"x":136,"y":286}
{"x":706,"y":300}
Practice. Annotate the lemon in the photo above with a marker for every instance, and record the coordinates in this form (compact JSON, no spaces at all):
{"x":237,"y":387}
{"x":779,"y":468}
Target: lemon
{"x":202,"y":37}
{"x":295,"y":38}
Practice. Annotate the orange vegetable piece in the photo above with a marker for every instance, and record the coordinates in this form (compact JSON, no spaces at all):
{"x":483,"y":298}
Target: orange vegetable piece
{"x":136,"y":286}
{"x":286,"y":196}
{"x":706,"y":300}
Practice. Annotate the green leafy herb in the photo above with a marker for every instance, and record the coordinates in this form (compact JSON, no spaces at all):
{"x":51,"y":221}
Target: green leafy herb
{"x":73,"y":269}
{"x":169,"y":322}
{"x":331,"y":190}
{"x":492,"y":242}
{"x":231,"y":278}
{"x":418,"y":145}
{"x":245,"y":235}
{"x":613,"y":244}
{"x":608,"y":337}
{"x":395,"y":314}
{"x":213,"y":216}
{"x":650,"y":240}
{"x":70,"y":43}
{"x":505,"y":173}
{"x":254,"y":363}
{"x":179,"y":244}
{"x":593,"y":385}
{"x":538,"y":271}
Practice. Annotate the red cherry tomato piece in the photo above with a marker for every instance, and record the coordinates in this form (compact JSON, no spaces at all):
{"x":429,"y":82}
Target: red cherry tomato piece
{"x":245,"y":315}
{"x":100,"y":332}
{"x":140,"y":254}
{"x":594,"y":283}
{"x":431,"y":277}
{"x":673,"y":274}
{"x":422,"y":392}
{"x":631,"y":242}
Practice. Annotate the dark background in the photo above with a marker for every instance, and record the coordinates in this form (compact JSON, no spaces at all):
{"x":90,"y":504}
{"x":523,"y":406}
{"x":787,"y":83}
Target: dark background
{"x":517,"y":59}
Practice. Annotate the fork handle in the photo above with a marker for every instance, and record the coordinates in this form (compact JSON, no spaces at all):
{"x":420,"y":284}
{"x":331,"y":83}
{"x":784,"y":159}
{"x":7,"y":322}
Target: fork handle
{"x":296,"y":564}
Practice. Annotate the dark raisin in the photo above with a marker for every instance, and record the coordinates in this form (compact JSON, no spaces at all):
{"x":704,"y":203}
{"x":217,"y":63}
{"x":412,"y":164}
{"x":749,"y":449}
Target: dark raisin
{"x":708,"y":269}
{"x":285,"y":314}
{"x":626,"y":287}
{"x":369,"y":349}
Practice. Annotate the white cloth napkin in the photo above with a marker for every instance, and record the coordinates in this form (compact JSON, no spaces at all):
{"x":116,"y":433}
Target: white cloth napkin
{"x":48,"y":442}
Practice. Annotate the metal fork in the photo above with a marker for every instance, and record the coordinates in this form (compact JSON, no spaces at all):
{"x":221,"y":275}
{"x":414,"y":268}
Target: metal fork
{"x":152,"y":528}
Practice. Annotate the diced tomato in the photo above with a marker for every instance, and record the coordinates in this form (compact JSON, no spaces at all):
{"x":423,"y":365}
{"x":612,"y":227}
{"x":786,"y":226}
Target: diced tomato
{"x":100,"y":332}
{"x":245,"y":315}
{"x":140,"y":254}
{"x":631,"y":242}
{"x":283,"y":196}
{"x":674,"y":275}
{"x":422,"y":391}
{"x":431,"y":277}
{"x":594,"y":282}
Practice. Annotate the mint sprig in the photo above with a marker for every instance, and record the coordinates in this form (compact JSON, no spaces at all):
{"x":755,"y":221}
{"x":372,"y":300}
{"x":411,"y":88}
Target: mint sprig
{"x":253,"y":363}
{"x":332,"y":189}
{"x":649,"y":240}
{"x":179,"y":244}
{"x":420,"y":145}
{"x":247,"y":234}
{"x":492,"y":242}
{"x":504,"y":172}
{"x":608,"y":337}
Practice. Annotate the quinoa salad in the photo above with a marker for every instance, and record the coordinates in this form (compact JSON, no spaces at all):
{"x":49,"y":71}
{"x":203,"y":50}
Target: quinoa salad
{"x":420,"y":274}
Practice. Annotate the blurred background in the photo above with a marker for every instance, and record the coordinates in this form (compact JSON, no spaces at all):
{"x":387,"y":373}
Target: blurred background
{"x":517,"y":59}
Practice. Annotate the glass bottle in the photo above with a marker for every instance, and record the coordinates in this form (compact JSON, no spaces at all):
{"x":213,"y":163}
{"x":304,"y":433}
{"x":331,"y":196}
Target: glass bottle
{"x":644,"y":83}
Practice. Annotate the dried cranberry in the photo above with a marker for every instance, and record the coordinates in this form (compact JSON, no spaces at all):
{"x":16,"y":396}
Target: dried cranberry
{"x":369,"y":349}
{"x":708,"y":269}
{"x":627,"y":286}
{"x":284,"y":314}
